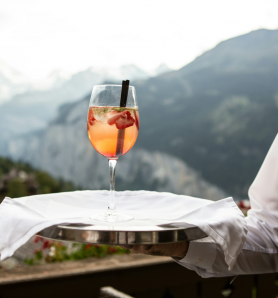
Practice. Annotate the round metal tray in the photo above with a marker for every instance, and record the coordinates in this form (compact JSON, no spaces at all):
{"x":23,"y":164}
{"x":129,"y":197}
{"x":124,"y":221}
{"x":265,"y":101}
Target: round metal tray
{"x":131,"y":233}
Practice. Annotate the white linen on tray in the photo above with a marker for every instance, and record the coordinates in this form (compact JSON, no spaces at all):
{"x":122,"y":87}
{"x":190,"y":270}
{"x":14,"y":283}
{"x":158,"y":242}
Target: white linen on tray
{"x":22,"y":218}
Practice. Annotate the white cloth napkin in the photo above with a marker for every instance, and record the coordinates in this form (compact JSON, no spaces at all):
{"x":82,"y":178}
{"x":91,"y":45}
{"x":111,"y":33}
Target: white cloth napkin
{"x":22,"y":218}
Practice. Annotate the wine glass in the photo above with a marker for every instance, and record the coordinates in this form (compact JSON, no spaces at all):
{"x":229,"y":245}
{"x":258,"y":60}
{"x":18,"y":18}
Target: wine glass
{"x":113,"y":126}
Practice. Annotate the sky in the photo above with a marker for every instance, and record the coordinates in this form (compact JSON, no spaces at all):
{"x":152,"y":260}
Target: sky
{"x":40,"y":36}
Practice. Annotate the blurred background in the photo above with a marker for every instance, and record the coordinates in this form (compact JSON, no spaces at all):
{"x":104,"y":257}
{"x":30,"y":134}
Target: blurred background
{"x":206,"y":76}
{"x":206,"y":79}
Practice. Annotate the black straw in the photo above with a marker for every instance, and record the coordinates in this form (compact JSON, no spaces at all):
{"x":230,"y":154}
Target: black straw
{"x":121,"y":132}
{"x":124,"y":94}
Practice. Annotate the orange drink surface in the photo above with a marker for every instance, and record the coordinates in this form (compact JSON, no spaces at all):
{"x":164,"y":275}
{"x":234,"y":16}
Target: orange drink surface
{"x":107,"y":126}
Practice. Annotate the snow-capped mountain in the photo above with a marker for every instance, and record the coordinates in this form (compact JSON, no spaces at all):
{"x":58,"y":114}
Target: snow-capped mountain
{"x":34,"y":109}
{"x":12,"y":82}
{"x":162,"y":68}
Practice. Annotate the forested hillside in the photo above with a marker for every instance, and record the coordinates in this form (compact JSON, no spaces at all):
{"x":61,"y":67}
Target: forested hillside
{"x":20,"y":179}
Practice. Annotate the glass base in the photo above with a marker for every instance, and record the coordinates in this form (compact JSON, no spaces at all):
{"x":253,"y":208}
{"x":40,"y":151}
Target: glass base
{"x":112,"y":217}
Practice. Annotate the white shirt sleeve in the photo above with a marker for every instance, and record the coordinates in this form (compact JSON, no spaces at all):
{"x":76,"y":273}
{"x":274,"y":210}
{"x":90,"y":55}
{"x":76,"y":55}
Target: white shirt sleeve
{"x":260,"y":251}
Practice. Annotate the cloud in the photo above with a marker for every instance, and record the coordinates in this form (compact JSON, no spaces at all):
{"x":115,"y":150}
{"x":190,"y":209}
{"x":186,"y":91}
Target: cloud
{"x":41,"y":36}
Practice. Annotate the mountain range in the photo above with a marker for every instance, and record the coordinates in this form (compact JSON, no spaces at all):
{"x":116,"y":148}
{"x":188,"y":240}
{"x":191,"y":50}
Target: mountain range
{"x":217,"y":115}
{"x":63,"y":150}
{"x":34,"y":109}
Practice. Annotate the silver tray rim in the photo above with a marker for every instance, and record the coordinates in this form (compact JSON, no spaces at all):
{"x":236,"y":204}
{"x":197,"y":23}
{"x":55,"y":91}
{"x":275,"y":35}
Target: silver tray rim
{"x":91,"y":234}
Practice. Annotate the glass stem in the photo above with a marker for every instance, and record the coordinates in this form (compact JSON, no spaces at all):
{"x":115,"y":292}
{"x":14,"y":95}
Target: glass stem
{"x":112,"y":169}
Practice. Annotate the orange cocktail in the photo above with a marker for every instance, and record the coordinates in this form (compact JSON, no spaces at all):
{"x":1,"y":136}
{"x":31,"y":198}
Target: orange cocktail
{"x":107,"y":126}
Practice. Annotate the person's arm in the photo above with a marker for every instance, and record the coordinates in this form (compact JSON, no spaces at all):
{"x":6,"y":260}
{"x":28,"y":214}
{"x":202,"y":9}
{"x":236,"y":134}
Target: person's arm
{"x":260,"y":251}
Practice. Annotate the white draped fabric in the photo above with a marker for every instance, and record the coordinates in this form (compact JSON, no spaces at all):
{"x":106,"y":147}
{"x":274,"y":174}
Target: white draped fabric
{"x":22,"y":218}
{"x":260,"y":251}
